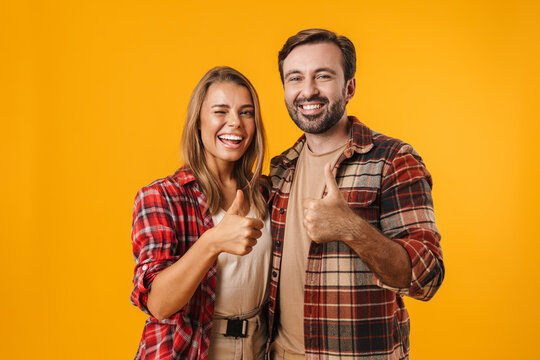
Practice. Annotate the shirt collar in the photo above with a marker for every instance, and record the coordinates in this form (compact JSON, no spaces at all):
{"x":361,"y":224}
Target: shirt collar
{"x":184,"y":175}
{"x":361,"y":141}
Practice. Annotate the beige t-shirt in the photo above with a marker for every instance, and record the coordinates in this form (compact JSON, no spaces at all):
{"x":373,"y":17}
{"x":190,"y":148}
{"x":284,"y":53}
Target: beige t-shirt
{"x":309,"y":182}
{"x":242,"y":280}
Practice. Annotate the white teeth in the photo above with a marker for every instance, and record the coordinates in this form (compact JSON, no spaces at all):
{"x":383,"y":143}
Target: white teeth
{"x":311,"y":107}
{"x":231,"y":137}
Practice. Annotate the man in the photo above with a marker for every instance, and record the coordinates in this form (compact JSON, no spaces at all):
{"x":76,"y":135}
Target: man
{"x":352,"y":219}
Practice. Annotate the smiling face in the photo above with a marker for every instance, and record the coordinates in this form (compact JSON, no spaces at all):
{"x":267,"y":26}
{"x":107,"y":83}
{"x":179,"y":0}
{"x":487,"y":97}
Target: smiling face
{"x":315,"y":89}
{"x":227,"y":123}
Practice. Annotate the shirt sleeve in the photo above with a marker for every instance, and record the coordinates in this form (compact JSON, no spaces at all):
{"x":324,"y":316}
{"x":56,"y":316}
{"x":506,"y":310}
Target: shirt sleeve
{"x":407,"y":217}
{"x":154,"y":241}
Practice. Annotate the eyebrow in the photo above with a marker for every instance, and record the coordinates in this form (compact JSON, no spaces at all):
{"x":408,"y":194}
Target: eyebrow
{"x":323,"y":69}
{"x":288,"y":73}
{"x":227,"y":106}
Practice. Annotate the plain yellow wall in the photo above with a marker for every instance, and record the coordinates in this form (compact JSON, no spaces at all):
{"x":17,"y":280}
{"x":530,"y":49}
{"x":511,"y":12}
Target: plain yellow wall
{"x":93,"y":95}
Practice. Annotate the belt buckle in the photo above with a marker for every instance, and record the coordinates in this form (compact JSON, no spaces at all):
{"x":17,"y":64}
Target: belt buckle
{"x":236,"y":328}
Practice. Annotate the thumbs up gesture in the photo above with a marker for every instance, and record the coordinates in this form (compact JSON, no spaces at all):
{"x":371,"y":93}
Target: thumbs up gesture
{"x":237,"y":234}
{"x":237,"y":207}
{"x":326,"y":219}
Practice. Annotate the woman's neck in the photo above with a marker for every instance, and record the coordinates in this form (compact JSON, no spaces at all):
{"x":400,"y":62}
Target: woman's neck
{"x":222,"y":171}
{"x":224,"y":175}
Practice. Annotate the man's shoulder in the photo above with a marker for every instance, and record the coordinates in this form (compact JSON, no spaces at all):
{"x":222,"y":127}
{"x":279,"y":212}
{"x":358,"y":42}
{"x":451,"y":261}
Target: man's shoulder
{"x":283,"y":158}
{"x":373,"y":143}
{"x":384,"y":141}
{"x":390,"y":147}
{"x":289,"y":156}
{"x":387,"y":154}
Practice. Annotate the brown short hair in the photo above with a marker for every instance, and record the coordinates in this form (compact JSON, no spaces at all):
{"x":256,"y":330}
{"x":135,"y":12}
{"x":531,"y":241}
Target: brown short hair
{"x":313,"y":36}
{"x":248,"y":169}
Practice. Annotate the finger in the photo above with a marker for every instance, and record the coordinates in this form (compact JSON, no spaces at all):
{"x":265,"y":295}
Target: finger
{"x":255,"y":234}
{"x":243,"y":251}
{"x":308,"y":202}
{"x":248,"y":248}
{"x":332,"y":188}
{"x":236,"y":206}
{"x":307,"y":225}
{"x":315,"y":239}
{"x":255,"y":223}
{"x":310,"y":236}
{"x":250,"y":233}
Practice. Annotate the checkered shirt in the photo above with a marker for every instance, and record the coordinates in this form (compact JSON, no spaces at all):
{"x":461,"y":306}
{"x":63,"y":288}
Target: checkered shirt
{"x":348,"y":312}
{"x":167,"y":220}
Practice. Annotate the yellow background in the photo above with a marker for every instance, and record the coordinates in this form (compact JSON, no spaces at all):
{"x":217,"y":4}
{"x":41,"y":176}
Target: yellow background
{"x":92,"y":104}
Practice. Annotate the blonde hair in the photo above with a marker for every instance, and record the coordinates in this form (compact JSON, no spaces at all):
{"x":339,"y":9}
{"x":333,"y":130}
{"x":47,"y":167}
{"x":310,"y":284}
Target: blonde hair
{"x":247,"y":170}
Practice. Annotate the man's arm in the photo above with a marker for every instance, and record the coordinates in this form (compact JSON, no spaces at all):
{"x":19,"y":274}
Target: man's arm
{"x":407,"y":228}
{"x":331,"y":219}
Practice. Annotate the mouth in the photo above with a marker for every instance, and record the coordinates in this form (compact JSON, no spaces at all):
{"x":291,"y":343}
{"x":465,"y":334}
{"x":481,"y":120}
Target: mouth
{"x":311,"y":108}
{"x":231,"y":141}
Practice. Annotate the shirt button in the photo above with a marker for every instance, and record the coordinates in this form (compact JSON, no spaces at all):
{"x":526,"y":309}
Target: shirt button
{"x":144,"y":267}
{"x":278,"y":243}
{"x":274,"y":274}
{"x":281,"y":211}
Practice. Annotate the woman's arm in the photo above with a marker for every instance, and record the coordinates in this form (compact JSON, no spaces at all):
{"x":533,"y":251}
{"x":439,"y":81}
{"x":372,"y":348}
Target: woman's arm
{"x":174,"y":286}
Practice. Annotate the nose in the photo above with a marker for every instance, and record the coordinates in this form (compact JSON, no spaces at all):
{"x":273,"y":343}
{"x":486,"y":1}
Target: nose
{"x":233,"y":120}
{"x":309,"y":88}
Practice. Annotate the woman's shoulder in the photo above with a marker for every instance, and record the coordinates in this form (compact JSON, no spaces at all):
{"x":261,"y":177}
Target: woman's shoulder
{"x":174,"y":184}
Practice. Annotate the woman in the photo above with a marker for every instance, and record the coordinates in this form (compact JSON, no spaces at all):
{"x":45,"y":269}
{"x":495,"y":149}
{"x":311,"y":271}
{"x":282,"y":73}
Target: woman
{"x":201,"y":247}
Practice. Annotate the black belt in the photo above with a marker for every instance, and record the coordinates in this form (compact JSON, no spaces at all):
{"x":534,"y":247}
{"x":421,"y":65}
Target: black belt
{"x":237,"y":328}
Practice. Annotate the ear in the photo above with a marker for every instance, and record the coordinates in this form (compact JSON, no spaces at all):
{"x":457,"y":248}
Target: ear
{"x":350,"y":88}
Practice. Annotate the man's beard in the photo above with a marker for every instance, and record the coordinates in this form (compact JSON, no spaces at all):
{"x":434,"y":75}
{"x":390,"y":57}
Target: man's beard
{"x":320,"y":123}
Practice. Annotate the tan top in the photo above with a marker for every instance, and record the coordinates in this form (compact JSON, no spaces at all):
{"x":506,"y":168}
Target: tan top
{"x":309,"y":182}
{"x":242,"y":280}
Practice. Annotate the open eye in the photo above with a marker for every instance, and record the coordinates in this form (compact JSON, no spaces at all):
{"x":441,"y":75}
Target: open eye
{"x":295,"y":77}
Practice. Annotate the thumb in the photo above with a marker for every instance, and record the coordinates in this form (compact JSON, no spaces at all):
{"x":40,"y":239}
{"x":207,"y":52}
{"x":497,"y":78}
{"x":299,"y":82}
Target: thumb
{"x":331,"y":185}
{"x":236,"y":206}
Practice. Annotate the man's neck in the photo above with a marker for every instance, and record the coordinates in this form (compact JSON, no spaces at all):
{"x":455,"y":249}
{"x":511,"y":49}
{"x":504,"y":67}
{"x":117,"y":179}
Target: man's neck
{"x":333,"y":138}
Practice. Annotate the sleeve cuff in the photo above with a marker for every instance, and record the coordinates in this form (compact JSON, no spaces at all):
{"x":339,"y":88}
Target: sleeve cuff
{"x":425,"y":271}
{"x":146,"y":274}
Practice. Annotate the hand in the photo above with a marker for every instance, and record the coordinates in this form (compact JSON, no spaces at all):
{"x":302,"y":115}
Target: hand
{"x":328,"y":219}
{"x":237,"y":234}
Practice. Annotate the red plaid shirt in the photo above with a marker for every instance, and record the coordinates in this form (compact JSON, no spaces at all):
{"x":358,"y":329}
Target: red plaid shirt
{"x":167,"y":220}
{"x":348,"y":312}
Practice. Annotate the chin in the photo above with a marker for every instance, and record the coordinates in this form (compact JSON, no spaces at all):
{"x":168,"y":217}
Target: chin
{"x":232,"y":158}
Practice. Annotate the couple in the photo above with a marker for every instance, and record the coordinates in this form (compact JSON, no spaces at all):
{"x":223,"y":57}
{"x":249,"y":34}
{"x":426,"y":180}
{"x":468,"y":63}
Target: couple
{"x":311,"y":263}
